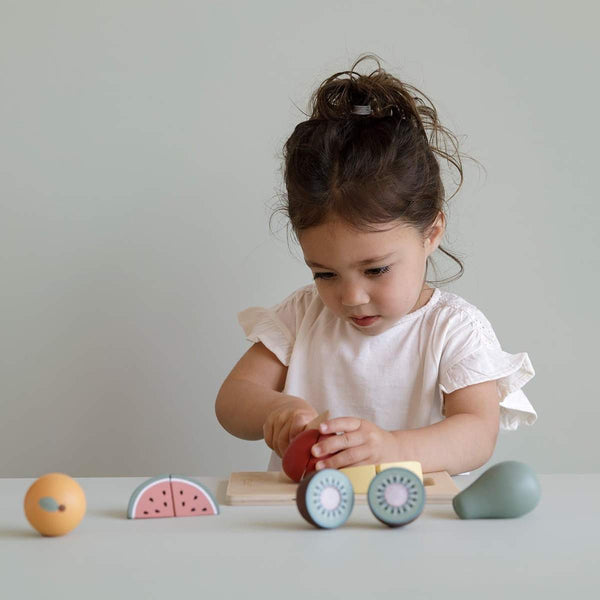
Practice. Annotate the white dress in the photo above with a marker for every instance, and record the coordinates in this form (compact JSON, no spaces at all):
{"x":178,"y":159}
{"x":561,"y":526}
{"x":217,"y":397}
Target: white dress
{"x":394,"y":379}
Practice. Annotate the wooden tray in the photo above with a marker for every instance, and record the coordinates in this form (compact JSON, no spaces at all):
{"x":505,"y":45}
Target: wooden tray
{"x":272,"y":488}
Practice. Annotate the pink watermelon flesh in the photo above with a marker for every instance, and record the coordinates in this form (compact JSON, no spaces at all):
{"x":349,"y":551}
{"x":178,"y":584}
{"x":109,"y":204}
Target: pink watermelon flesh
{"x":191,"y":500}
{"x":155,"y":502}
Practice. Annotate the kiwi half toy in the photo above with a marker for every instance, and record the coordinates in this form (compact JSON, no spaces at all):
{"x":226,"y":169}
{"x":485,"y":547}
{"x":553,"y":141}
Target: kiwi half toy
{"x":325,"y":498}
{"x":396,"y":496}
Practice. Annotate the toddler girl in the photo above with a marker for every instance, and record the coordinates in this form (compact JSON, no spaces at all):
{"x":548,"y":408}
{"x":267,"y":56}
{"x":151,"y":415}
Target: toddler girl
{"x":406,"y":370}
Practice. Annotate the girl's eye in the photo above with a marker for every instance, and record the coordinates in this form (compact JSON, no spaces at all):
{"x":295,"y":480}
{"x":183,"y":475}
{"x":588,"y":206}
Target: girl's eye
{"x":371,"y":272}
{"x":378,"y":270}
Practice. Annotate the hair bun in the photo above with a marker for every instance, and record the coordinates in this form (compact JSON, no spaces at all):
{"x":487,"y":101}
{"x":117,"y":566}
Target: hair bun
{"x":348,"y":94}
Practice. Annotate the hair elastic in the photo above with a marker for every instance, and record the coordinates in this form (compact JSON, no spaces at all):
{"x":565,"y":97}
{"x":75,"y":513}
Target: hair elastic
{"x":361,"y":109}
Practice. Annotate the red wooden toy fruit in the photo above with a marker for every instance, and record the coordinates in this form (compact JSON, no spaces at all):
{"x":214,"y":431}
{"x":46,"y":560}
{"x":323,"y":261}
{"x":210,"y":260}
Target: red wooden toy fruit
{"x":297,"y":461}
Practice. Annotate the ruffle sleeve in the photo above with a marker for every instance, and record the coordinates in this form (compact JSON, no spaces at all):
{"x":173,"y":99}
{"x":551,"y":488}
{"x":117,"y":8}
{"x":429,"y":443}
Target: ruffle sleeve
{"x":474,"y":356}
{"x":276,"y":326}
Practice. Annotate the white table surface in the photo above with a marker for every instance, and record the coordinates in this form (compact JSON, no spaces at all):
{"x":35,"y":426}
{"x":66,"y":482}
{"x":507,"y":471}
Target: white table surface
{"x":271,"y":552}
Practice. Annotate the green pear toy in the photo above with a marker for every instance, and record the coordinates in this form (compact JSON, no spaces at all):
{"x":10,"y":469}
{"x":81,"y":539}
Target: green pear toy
{"x":508,"y":489}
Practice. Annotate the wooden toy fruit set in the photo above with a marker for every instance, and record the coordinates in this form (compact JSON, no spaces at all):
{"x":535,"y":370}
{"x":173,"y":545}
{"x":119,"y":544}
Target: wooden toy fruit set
{"x":396,"y":492}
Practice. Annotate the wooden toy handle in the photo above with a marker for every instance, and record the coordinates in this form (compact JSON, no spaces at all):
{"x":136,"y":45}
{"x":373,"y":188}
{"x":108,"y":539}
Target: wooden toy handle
{"x":314,"y":424}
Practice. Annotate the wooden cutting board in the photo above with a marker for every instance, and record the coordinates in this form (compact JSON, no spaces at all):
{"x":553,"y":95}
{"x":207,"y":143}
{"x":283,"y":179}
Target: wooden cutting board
{"x":272,"y":488}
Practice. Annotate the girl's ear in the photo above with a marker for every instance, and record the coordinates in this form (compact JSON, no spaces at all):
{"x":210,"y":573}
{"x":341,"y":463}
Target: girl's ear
{"x":436,"y":233}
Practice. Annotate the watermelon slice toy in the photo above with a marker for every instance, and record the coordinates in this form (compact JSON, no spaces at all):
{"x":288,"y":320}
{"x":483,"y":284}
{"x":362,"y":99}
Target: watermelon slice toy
{"x":171,"y":496}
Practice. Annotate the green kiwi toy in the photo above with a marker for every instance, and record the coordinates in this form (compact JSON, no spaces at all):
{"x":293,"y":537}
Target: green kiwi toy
{"x":508,"y":489}
{"x":396,"y":496}
{"x":325,"y":498}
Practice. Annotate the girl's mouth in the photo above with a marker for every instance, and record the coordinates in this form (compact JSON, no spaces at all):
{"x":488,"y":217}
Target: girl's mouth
{"x":365,"y":321}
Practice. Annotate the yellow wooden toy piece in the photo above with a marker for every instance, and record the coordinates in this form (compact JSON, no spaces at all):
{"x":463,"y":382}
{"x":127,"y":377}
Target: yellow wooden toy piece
{"x":360,"y":477}
{"x":411,"y":465}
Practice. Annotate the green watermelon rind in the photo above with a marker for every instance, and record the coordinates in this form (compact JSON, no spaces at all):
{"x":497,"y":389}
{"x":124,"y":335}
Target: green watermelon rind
{"x":202,"y":487}
{"x":140,"y":489}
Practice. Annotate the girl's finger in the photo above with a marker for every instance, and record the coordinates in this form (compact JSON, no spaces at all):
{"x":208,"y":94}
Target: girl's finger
{"x":320,"y":418}
{"x":298,"y":424}
{"x":358,"y":455}
{"x":341,"y":424}
{"x":336,"y":443}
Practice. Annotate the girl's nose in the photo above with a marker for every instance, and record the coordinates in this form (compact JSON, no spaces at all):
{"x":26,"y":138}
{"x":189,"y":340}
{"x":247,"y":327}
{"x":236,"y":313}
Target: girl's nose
{"x":354,"y":295}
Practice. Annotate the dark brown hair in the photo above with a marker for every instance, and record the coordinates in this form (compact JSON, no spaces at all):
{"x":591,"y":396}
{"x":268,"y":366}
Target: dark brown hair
{"x":367,"y":169}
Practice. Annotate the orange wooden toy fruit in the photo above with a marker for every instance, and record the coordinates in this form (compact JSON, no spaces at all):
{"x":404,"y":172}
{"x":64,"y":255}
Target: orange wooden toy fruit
{"x":54,"y":504}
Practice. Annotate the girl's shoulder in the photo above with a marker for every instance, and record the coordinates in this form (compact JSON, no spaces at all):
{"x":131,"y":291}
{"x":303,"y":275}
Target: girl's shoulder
{"x":452,"y":301}
{"x":300,"y":299}
{"x":458,"y":312}
{"x":306,"y":291}
{"x":277,"y":326}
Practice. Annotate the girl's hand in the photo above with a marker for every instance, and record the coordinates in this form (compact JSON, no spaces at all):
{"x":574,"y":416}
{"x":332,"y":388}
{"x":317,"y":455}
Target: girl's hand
{"x":286,"y":421}
{"x":361,"y":443}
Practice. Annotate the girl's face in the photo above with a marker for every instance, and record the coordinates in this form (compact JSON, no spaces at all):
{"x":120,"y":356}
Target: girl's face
{"x":378,"y":274}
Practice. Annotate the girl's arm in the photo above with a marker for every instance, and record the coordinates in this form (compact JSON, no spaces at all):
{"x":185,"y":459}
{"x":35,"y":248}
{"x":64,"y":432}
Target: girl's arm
{"x":464,"y":440}
{"x":252,"y":393}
